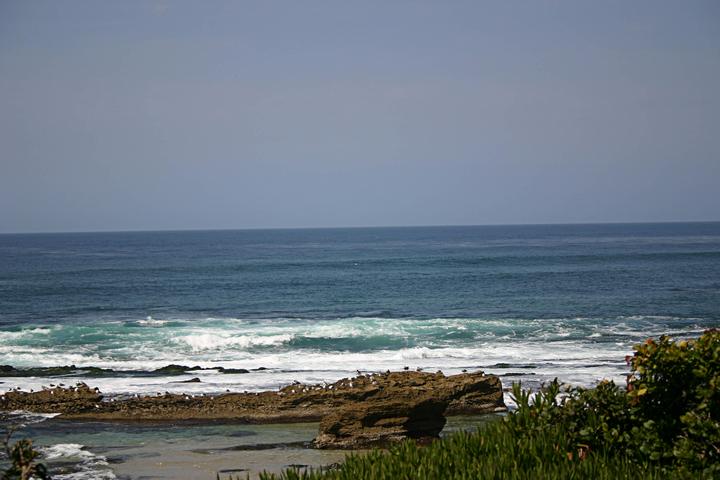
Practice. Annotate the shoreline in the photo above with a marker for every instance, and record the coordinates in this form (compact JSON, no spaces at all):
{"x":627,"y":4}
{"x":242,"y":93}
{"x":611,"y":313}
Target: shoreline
{"x":190,"y":451}
{"x":181,"y":437}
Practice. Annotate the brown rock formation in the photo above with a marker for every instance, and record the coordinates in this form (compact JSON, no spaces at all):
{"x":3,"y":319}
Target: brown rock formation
{"x":381,"y":421}
{"x":468,"y":393}
{"x":80,"y":398}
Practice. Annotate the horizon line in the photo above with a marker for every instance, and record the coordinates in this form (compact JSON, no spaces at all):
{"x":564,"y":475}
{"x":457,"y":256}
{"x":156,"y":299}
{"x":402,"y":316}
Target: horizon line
{"x":235,"y":229}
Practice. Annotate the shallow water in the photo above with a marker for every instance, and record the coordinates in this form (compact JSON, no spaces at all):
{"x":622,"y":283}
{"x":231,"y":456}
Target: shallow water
{"x":102,"y":450}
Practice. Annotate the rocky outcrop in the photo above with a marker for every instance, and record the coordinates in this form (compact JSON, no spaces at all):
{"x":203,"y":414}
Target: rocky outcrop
{"x":69,"y":371}
{"x":474,"y":393}
{"x":469,"y":393}
{"x":71,"y":400}
{"x":381,"y":421}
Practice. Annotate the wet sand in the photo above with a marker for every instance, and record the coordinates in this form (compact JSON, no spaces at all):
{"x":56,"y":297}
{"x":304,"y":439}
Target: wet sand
{"x":134,"y":451}
{"x":271,"y":448}
{"x":185,"y":460}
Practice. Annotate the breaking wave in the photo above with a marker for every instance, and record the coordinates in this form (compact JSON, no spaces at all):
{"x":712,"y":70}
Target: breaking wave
{"x":579,"y":350}
{"x":85,"y":465}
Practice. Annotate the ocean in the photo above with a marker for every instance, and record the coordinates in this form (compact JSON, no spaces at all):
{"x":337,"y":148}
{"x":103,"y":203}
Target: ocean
{"x":525,"y":302}
{"x":529,"y":303}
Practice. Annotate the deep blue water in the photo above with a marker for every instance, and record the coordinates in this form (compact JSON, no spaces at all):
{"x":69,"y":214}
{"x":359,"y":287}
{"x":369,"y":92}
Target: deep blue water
{"x":317,"y":303}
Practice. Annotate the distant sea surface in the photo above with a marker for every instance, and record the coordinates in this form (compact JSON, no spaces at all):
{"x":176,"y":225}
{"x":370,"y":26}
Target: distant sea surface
{"x":529,"y":303}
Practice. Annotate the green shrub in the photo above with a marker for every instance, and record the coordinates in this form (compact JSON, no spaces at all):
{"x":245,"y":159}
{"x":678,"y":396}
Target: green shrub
{"x":675,"y":392}
{"x":22,"y":458}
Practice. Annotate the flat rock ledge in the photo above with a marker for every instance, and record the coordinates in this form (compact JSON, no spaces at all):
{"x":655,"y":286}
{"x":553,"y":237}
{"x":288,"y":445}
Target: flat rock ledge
{"x":361,"y":398}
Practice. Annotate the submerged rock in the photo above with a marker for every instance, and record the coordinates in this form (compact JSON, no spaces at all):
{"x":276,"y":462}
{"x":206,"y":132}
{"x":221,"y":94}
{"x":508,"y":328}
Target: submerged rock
{"x":65,"y":370}
{"x":89,"y":370}
{"x":233,"y":370}
{"x":173,"y":369}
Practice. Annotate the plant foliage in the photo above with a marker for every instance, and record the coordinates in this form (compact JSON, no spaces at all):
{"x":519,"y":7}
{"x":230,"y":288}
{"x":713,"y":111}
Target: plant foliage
{"x":664,"y":424}
{"x":22,"y":457}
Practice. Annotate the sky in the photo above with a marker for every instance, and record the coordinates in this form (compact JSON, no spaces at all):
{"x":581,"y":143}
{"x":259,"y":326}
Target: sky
{"x":160,"y":115}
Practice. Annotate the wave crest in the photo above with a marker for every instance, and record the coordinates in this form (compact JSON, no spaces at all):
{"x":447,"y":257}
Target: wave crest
{"x":211,"y":341}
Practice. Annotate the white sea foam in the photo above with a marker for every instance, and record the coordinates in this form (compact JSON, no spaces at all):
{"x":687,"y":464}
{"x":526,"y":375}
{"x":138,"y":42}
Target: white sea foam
{"x":25,"y":333}
{"x":66,"y":451}
{"x":23,"y":417}
{"x":578,"y":350}
{"x":88,"y":466}
{"x":34,"y":414}
{"x":152,"y":322}
{"x":214,"y":341}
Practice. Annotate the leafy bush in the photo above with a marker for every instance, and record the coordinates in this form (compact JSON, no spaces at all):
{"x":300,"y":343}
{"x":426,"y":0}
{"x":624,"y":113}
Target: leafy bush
{"x":665,"y":424}
{"x":675,"y":391}
{"x":22,"y":458}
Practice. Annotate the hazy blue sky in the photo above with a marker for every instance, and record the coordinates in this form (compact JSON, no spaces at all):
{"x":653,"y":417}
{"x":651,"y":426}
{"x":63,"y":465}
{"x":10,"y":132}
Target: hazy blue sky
{"x":163,"y":115}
